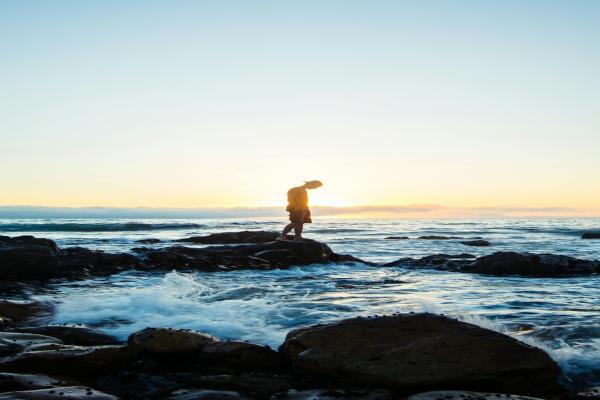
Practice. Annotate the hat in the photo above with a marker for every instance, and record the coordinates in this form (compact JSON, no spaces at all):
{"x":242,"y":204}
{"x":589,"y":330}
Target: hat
{"x":314,"y":184}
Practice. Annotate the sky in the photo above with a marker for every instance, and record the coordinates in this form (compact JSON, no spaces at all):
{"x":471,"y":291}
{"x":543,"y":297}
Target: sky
{"x":184,"y":104}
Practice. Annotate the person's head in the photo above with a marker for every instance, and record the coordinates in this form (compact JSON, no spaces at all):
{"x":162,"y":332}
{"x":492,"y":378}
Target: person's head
{"x":312,"y":184}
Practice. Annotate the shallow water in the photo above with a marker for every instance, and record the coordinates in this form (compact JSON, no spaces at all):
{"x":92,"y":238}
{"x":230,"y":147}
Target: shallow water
{"x":560,"y":315}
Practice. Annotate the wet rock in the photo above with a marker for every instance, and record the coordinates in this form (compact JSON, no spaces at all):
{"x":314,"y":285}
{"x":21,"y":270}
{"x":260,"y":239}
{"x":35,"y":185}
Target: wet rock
{"x":542,"y":265}
{"x":149,"y":241}
{"x":13,"y":342}
{"x":279,"y":256}
{"x":241,"y":355}
{"x":24,"y":256}
{"x":436,"y":237}
{"x":417,"y":351}
{"x":591,"y":235}
{"x":331,"y":394}
{"x":436,"y":261}
{"x":476,"y":243}
{"x":21,"y":311}
{"x":166,"y":341}
{"x":588,"y":394}
{"x":70,"y":361}
{"x":208,"y":395}
{"x":465,"y":395}
{"x":13,"y":382}
{"x":233,"y":237}
{"x":58,"y":393}
{"x":129,"y":385}
{"x":256,"y":383}
{"x":78,"y":335}
{"x":397,"y":238}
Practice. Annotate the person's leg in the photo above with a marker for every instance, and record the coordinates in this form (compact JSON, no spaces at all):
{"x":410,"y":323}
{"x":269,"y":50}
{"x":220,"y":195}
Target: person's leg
{"x":288,"y":228}
{"x":298,"y":230}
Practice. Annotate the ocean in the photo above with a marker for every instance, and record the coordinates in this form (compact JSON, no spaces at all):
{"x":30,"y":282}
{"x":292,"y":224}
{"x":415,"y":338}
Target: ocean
{"x":560,"y":315}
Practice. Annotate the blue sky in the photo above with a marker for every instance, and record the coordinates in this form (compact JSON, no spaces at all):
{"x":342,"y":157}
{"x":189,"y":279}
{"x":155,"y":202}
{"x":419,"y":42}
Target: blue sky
{"x":194,"y":104}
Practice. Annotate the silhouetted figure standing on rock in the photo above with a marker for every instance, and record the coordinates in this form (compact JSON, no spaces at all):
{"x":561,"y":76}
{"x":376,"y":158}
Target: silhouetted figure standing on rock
{"x":298,"y":209}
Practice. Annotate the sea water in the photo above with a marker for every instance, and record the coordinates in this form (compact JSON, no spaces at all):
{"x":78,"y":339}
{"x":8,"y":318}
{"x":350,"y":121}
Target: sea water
{"x":560,"y":315}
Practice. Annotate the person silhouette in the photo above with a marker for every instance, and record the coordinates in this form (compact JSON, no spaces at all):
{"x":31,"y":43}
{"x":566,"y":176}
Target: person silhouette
{"x":298,"y":209}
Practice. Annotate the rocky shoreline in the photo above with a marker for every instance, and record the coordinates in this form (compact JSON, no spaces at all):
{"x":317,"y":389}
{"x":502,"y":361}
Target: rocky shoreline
{"x":386,"y":357}
{"x":415,"y":356}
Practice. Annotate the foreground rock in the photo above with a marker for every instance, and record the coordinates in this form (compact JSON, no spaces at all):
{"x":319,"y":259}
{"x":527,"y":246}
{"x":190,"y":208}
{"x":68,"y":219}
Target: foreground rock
{"x":77,"y":335}
{"x":505,"y":264}
{"x":168,"y":341}
{"x":58,"y":393}
{"x":17,"y":382}
{"x":420,"y":351}
{"x":233,"y":237}
{"x":463,"y":395}
{"x":335,"y":394}
{"x":17,"y":312}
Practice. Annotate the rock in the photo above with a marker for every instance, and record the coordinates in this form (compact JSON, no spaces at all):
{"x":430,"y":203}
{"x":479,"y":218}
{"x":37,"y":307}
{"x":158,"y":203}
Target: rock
{"x":149,"y":241}
{"x":13,"y":342}
{"x":256,"y":383}
{"x":420,"y":351}
{"x":588,"y":394}
{"x":21,"y":311}
{"x":435,"y":261}
{"x":463,"y":395}
{"x":591,"y":235}
{"x":435,"y":237}
{"x":540,"y":265}
{"x":58,"y":393}
{"x":24,"y":256}
{"x":11,"y":382}
{"x":129,"y":385}
{"x":329,"y":394}
{"x":71,"y":361}
{"x":241,"y":355}
{"x":72,"y":334}
{"x":233,"y":237}
{"x":166,"y":341}
{"x":477,"y":243}
{"x":279,"y":256}
{"x":397,"y":238}
{"x":208,"y":395}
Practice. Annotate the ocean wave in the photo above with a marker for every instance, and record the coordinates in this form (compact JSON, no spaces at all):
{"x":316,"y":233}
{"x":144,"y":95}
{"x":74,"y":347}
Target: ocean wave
{"x":95,"y":227}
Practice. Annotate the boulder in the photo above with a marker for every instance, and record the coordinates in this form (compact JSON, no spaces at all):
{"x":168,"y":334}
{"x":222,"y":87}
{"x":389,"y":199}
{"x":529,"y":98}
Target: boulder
{"x":13,"y":342}
{"x":22,"y":311}
{"x":78,"y":335}
{"x":165,"y":341}
{"x":204,"y":394}
{"x":233,"y":237}
{"x":476,"y":243}
{"x":465,"y":395}
{"x":334,"y":394}
{"x":241,"y":355}
{"x":70,"y":361}
{"x":413,"y":351}
{"x":540,"y":265}
{"x":58,"y":393}
{"x":591,"y":235}
{"x":13,"y":382}
{"x":25,"y":256}
{"x":128,"y":385}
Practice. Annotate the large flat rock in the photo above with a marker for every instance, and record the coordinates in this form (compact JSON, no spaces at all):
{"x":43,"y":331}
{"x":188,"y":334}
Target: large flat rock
{"x":414,"y":351}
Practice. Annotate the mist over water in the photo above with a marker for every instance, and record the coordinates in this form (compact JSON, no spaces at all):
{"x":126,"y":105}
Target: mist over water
{"x":559,"y":315}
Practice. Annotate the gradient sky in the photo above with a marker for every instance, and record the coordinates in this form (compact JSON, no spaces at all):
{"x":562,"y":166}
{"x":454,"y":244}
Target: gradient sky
{"x":230,"y":103}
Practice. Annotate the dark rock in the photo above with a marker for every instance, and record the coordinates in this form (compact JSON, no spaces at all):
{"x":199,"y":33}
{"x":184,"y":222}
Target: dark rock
{"x":588,"y":394}
{"x":164,"y":341}
{"x":414,"y":351}
{"x":539,"y":265}
{"x":397,"y":238}
{"x":13,"y":382}
{"x":477,"y":243}
{"x":241,"y":355}
{"x":331,"y":394}
{"x":129,"y":385}
{"x":435,"y":237}
{"x":464,"y":395}
{"x":591,"y":235}
{"x":71,"y":361}
{"x":149,"y":241}
{"x":436,"y":261}
{"x":256,"y":383}
{"x":22,"y":311}
{"x":208,"y":395}
{"x":13,"y":342}
{"x":233,"y":237}
{"x":72,"y":334}
{"x":58,"y":393}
